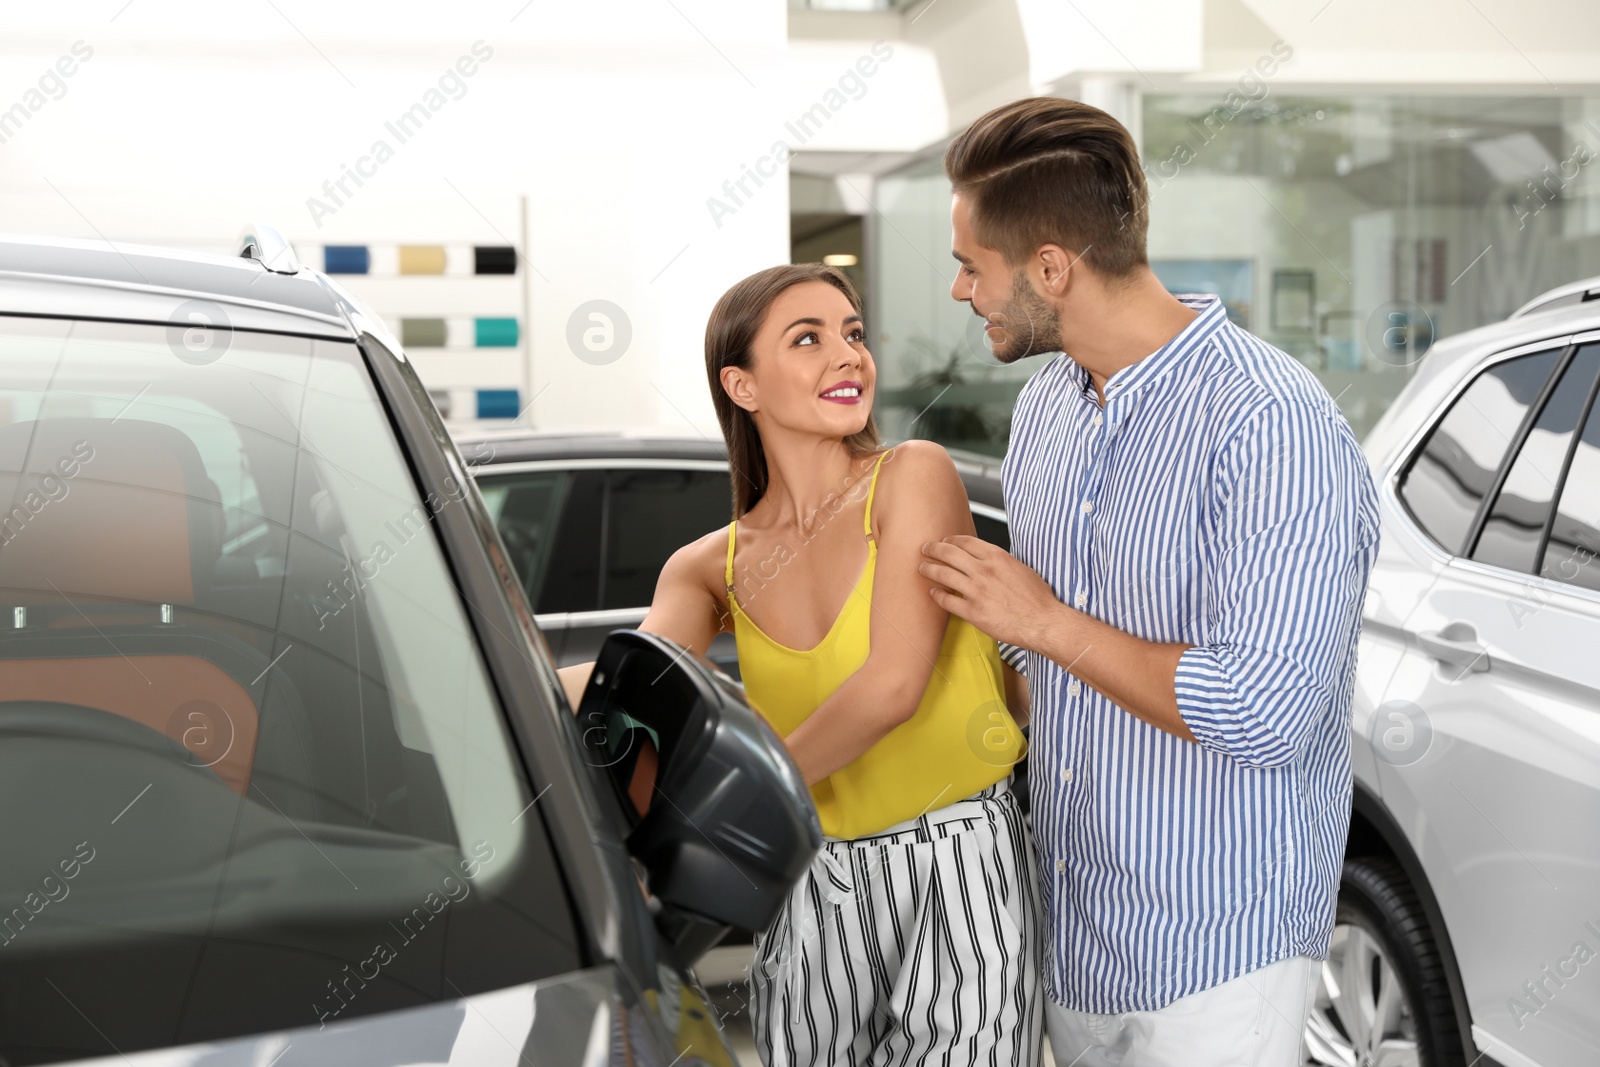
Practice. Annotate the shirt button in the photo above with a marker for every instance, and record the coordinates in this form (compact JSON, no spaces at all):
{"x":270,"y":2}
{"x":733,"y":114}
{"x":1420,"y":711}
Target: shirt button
{"x":1066,"y":774}
{"x":1087,"y":507}
{"x":1098,"y":419}
{"x":1061,"y":865}
{"x":1073,"y":687}
{"x":1080,"y":598}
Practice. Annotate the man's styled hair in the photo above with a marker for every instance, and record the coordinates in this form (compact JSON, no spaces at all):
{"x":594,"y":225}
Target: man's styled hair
{"x":1051,"y":171}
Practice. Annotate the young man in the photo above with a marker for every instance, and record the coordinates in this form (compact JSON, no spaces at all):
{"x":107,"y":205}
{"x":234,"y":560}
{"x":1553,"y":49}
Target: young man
{"x":1192,"y":525}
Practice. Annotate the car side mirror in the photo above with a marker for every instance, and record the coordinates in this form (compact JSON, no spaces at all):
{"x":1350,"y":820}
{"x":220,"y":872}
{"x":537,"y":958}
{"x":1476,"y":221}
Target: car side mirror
{"x":719,"y":814}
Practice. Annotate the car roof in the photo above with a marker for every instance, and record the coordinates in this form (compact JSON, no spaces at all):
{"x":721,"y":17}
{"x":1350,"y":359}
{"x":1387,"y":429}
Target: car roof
{"x":518,"y":444}
{"x":521,"y":444}
{"x":1561,"y":296}
{"x":1453,"y":357}
{"x":60,"y":277}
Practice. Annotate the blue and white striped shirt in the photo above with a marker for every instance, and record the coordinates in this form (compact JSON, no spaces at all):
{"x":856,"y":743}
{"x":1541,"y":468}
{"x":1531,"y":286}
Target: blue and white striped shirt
{"x":1220,"y":500}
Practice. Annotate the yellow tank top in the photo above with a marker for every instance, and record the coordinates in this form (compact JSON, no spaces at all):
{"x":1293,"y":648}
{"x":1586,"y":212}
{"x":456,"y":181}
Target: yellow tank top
{"x":960,"y":739}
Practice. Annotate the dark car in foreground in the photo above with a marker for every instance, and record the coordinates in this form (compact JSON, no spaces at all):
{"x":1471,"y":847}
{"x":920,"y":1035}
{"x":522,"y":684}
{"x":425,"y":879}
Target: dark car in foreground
{"x":286,"y":769}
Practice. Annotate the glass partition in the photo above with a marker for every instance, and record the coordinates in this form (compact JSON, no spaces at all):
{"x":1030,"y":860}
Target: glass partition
{"x":936,"y":378}
{"x":1352,"y":232}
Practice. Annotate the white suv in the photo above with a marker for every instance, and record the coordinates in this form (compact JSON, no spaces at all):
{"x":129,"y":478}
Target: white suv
{"x":1469,"y":916}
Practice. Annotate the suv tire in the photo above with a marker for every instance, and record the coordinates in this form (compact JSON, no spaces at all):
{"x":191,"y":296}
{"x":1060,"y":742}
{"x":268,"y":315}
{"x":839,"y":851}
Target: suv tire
{"x":1382,"y":956}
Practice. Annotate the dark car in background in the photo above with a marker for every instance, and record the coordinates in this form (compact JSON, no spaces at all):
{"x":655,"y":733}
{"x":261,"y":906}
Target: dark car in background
{"x":589,"y":519}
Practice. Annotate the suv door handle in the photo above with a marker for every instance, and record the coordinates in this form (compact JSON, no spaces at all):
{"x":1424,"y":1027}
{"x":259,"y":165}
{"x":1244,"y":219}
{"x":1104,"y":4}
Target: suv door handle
{"x":1457,"y":645}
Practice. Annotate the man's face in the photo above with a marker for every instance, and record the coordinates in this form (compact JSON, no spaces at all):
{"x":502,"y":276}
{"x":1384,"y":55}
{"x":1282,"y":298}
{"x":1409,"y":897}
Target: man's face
{"x":1018,"y":322}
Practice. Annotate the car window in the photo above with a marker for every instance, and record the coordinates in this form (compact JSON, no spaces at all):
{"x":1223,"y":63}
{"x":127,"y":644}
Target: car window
{"x":650,"y":514}
{"x":1515,"y":525}
{"x":256,"y":772}
{"x":1454,"y":470}
{"x":1574,"y":542}
{"x":526,"y":508}
{"x":572,"y":578}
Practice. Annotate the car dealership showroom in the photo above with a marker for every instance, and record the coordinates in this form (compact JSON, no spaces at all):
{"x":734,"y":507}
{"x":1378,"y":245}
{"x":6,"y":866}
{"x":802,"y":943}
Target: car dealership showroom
{"x":801,"y":532}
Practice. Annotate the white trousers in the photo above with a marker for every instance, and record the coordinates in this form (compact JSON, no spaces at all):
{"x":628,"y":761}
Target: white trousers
{"x":917,"y":945}
{"x":1254,"y":1020}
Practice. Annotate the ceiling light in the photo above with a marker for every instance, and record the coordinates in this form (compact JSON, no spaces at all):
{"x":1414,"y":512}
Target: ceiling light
{"x":840,"y":259}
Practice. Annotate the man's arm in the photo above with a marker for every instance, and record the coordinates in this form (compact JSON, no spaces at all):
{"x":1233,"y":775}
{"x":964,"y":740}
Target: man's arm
{"x":1294,"y":537}
{"x":1007,"y":600}
{"x":1287,"y":568}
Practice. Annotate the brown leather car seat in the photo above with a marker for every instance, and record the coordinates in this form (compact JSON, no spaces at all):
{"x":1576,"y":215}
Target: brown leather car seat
{"x":103,"y":522}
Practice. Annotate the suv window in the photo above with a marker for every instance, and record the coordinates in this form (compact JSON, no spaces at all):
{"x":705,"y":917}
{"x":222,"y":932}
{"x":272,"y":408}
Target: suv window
{"x":1515,"y":526}
{"x":1574,"y":539}
{"x":1446,"y":482}
{"x":266,"y":779}
{"x":649,"y":515}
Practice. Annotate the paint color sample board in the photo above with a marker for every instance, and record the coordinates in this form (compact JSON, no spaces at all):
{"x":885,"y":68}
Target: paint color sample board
{"x":456,"y":309}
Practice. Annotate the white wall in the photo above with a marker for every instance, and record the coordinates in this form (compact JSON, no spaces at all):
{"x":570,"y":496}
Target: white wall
{"x":965,"y":58}
{"x":954,"y":61}
{"x":1547,"y":46}
{"x":617,"y":120}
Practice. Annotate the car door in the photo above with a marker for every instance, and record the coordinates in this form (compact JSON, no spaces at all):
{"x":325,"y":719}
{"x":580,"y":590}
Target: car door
{"x":1488,"y":744}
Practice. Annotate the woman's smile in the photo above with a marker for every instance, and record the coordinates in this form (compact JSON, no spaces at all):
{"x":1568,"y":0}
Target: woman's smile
{"x":846,"y":392}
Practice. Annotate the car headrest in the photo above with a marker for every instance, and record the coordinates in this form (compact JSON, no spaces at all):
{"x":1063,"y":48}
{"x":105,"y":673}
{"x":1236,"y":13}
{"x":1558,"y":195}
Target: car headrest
{"x":119,"y":509}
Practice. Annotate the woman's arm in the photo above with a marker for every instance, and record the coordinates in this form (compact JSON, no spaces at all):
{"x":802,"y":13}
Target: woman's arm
{"x":919,"y":498}
{"x":573,"y":681}
{"x":683,"y":609}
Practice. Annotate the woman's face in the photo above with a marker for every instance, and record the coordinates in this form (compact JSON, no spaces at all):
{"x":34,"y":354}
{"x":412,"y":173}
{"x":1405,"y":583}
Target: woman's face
{"x":811,"y":370}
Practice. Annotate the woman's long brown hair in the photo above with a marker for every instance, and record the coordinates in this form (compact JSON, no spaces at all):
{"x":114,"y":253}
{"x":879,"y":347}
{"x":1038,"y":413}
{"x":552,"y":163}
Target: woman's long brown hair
{"x":730,"y":333}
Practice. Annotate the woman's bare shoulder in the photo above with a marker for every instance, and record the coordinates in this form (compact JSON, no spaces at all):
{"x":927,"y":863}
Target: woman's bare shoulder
{"x":919,"y":469}
{"x":701,"y":561}
{"x":919,"y":481}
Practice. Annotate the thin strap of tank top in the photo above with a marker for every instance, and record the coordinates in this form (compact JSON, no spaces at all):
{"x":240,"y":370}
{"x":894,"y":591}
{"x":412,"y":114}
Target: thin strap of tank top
{"x":866,"y":518}
{"x":866,"y":522}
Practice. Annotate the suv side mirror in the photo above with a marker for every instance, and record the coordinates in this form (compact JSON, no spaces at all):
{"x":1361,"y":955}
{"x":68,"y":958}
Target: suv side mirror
{"x":719,"y":815}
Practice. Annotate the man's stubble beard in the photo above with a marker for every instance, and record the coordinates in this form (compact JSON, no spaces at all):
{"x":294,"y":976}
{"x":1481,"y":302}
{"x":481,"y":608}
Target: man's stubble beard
{"x":1030,"y":323}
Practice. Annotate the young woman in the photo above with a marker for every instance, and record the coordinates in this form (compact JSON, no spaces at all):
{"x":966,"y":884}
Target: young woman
{"x":915,"y":934}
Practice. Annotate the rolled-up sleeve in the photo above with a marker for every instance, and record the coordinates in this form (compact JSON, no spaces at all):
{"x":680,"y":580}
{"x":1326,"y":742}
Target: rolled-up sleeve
{"x":1015,"y":658}
{"x":1285,"y":554}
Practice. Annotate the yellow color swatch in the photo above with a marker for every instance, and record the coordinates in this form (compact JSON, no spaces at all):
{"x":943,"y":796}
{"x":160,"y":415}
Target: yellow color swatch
{"x":422,"y":259}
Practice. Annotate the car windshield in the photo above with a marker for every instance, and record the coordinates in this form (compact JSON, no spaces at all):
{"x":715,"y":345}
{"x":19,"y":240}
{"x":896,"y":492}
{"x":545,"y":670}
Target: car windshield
{"x":254,"y":771}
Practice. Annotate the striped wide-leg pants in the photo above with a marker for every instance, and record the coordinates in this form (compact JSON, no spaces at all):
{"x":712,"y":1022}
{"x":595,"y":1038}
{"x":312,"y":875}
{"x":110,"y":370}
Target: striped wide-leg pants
{"x":920,"y":944}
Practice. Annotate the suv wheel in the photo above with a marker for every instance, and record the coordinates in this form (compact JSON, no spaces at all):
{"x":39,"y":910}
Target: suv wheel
{"x":1382,"y":1000}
